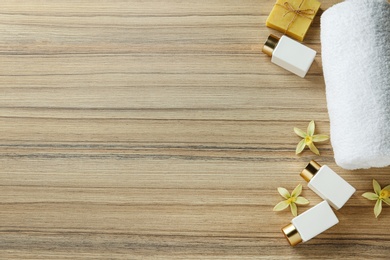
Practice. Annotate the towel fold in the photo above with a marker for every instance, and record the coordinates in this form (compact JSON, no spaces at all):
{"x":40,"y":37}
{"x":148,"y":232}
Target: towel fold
{"x":355,"y":38}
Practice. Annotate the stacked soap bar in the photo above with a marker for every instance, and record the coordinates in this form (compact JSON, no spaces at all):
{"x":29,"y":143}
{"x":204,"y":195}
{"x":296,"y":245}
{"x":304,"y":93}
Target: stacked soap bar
{"x":293,"y":17}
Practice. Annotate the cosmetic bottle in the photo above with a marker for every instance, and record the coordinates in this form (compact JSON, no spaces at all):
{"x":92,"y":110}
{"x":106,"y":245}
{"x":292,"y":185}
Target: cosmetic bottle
{"x":327,"y":184}
{"x":289,"y":54}
{"x":310,"y":223}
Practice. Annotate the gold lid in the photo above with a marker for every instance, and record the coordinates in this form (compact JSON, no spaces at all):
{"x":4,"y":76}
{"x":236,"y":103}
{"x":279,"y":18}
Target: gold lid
{"x":292,"y":235}
{"x":310,"y":170}
{"x":270,"y":44}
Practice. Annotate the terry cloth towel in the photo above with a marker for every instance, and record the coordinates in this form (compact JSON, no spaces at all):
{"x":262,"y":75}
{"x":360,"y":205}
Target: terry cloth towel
{"x":355,"y":38}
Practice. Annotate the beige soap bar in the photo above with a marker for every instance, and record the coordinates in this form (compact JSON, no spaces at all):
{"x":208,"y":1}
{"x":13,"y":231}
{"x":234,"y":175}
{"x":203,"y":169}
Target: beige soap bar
{"x":284,"y":17}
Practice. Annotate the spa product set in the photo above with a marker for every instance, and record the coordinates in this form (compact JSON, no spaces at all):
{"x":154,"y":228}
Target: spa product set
{"x":355,"y":52}
{"x":335,"y":192}
{"x":293,"y":18}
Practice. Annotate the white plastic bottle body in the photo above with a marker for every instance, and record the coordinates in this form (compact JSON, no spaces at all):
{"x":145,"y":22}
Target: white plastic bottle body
{"x":314,"y":221}
{"x":293,"y":56}
{"x":331,"y":187}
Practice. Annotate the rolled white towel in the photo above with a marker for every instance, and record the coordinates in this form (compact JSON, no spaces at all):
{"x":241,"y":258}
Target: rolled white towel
{"x":355,"y":38}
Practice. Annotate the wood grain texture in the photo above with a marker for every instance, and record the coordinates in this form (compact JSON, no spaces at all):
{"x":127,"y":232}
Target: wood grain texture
{"x":148,"y":129}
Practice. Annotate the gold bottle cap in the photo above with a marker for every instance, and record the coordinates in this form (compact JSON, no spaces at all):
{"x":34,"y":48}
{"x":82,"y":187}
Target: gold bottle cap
{"x":310,"y":170}
{"x":270,"y":44}
{"x":292,"y":235}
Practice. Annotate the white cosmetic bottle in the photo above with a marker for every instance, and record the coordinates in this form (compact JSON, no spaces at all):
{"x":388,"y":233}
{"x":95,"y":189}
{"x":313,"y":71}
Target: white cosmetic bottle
{"x":289,"y":54}
{"x":310,"y":223}
{"x":327,"y":184}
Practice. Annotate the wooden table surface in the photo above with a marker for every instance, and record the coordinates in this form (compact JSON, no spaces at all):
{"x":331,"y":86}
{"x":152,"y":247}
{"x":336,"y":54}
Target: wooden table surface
{"x":157,"y":129}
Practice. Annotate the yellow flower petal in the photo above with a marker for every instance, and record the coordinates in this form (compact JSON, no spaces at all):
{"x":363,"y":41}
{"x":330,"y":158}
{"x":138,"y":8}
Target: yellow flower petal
{"x":298,"y":189}
{"x":320,"y":138}
{"x":377,"y":187}
{"x":301,"y":145}
{"x":387,"y":201}
{"x":294,"y":209}
{"x":301,"y":201}
{"x":299,"y":132}
{"x":281,"y":205}
{"x":370,"y":196}
{"x":285,"y":194}
{"x":378,"y":208}
{"x":311,"y":128}
{"x":386,"y":188}
{"x":314,"y":149}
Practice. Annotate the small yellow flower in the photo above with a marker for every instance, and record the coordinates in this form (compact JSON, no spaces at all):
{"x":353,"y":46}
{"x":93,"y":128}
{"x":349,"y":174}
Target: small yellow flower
{"x":291,"y":200}
{"x":379,"y":195}
{"x":309,"y":138}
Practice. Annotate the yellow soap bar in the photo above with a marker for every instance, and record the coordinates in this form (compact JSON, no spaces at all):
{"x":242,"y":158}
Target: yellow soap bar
{"x":285,"y":19}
